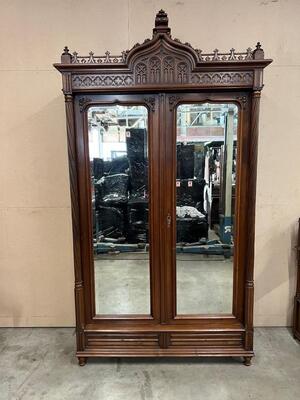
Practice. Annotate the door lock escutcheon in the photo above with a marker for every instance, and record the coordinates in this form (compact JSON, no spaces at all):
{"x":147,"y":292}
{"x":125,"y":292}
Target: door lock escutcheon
{"x":169,"y":220}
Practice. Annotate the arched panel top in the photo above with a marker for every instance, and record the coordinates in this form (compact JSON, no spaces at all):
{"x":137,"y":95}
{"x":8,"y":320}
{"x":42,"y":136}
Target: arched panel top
{"x":162,"y":61}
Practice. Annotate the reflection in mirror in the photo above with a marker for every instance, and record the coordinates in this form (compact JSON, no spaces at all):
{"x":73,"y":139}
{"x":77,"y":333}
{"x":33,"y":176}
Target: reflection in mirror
{"x":205,"y":187}
{"x":118,"y":153}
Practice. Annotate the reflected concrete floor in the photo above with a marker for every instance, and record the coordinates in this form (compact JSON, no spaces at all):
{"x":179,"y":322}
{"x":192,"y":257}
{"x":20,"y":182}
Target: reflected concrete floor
{"x":122,"y":282}
{"x":39,"y":364}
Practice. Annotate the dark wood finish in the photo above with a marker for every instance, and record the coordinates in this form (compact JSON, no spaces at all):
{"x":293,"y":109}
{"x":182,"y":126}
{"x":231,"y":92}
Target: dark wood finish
{"x":161,"y":73}
{"x":296,"y":322}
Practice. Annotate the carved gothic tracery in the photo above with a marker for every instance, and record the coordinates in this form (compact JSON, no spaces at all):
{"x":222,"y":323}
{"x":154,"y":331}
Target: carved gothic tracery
{"x":182,"y":72}
{"x":155,"y":69}
{"x":141,"y":73}
{"x":168,"y":69}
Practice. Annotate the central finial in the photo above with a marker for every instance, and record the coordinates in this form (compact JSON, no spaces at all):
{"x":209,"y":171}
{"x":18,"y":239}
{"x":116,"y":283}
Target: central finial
{"x":161,"y":23}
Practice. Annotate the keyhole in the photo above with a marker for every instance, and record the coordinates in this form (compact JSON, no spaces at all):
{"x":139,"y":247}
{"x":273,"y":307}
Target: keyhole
{"x":169,"y":219}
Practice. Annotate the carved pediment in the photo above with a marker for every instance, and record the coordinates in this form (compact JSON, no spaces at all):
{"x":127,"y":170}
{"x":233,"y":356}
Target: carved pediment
{"x":163,"y":61}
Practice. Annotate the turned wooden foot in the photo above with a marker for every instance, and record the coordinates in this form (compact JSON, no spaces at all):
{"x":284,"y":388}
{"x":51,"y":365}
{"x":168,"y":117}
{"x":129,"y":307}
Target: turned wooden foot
{"x":247,"y":361}
{"x":82,"y":361}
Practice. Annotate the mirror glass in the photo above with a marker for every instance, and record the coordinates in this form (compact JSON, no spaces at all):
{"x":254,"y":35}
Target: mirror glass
{"x":118,"y":152}
{"x":205,"y":203}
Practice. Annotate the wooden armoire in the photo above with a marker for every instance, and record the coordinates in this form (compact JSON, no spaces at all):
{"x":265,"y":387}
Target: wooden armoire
{"x":152,"y":134}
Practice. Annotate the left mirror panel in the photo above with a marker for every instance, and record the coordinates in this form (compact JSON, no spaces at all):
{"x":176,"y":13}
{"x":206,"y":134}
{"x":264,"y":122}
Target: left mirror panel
{"x":118,"y":152}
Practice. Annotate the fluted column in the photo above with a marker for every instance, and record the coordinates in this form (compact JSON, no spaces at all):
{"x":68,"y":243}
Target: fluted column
{"x":249,"y":287}
{"x":79,"y":299}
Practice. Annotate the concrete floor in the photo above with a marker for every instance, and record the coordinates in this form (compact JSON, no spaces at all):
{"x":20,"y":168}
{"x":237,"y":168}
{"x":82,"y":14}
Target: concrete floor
{"x":122,"y":283}
{"x":39,"y":364}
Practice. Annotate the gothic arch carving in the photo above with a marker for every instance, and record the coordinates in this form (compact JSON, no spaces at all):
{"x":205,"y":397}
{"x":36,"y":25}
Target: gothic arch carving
{"x":141,"y":73}
{"x":154,"y":70}
{"x":169,"y":69}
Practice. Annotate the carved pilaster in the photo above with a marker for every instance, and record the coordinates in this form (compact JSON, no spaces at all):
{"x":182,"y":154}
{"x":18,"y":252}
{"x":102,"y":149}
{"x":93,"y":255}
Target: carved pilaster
{"x":249,"y":315}
{"x":67,"y":83}
{"x":79,"y":306}
{"x":249,"y":286}
{"x":72,"y":155}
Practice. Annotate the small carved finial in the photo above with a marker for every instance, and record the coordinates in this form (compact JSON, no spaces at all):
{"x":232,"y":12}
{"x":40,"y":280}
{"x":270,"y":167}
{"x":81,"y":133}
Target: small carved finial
{"x":199,"y":53}
{"x":161,"y":23}
{"x":107,"y":57}
{"x":216,"y":55}
{"x":75,"y":57}
{"x":161,"y":18}
{"x":124,"y":55}
{"x":232,"y":55}
{"x":66,"y":57}
{"x":66,"y":50}
{"x":249,"y":54}
{"x":258,"y":53}
{"x":91,"y":58}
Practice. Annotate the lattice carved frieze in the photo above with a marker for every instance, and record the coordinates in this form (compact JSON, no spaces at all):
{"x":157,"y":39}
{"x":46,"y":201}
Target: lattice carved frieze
{"x":242,"y":78}
{"x":179,"y":75}
{"x":99,"y":80}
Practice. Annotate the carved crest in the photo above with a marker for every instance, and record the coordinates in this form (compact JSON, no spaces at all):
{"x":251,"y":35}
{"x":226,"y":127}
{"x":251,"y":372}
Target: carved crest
{"x":163,"y":61}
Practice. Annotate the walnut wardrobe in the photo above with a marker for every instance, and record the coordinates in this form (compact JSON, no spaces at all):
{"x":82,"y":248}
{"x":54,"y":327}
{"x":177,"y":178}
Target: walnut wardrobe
{"x":162,"y":144}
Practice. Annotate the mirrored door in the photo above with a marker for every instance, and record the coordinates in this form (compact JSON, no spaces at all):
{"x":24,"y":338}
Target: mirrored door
{"x":206,"y":152}
{"x":123,"y":203}
{"x":118,"y":151}
{"x":204,"y":181}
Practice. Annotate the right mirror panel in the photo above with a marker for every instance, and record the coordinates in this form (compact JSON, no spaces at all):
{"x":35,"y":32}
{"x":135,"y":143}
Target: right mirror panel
{"x":205,"y":207}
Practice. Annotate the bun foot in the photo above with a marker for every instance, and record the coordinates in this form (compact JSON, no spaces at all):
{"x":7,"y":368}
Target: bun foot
{"x":82,"y":361}
{"x":247,"y":361}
